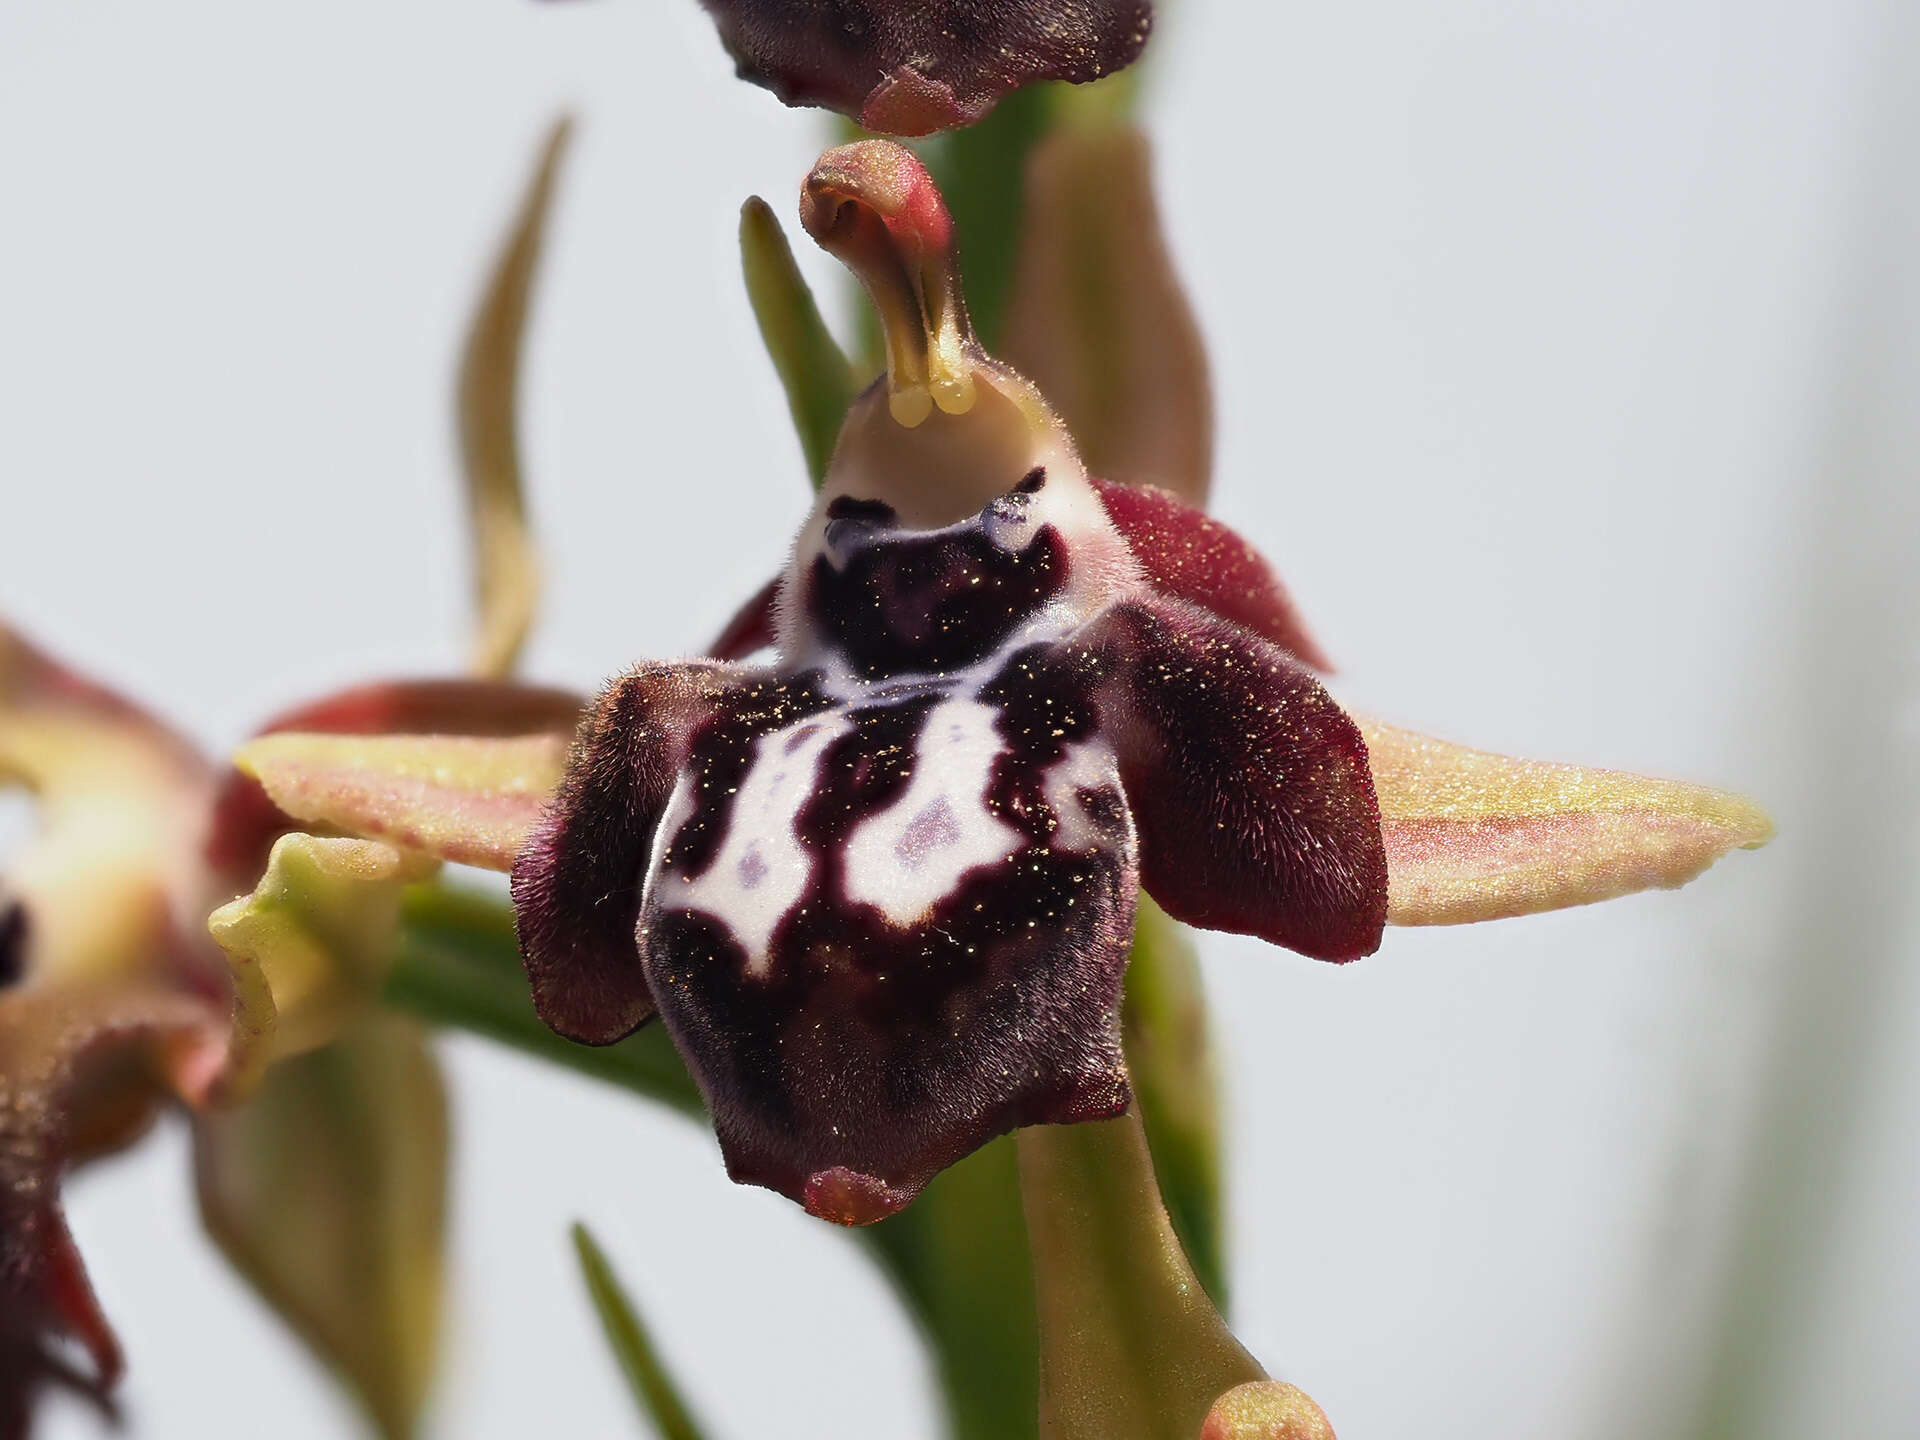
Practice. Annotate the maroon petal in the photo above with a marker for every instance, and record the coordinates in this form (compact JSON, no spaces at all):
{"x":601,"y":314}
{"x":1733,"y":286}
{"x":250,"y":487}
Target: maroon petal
{"x":1249,"y":784}
{"x":910,"y":69}
{"x":752,"y":627}
{"x":882,"y":933}
{"x":576,"y":885}
{"x":1190,"y":556}
{"x":245,"y":822}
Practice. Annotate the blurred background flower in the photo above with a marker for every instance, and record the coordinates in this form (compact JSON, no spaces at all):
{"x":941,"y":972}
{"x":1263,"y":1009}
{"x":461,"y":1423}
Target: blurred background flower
{"x":1585,"y":326}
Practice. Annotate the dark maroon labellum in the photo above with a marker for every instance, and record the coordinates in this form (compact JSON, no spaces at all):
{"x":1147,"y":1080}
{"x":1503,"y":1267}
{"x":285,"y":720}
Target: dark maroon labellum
{"x":883,"y":902}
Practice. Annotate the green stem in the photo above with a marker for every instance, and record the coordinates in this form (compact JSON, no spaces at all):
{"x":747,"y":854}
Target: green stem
{"x":958,"y":1256}
{"x":1131,"y":1348}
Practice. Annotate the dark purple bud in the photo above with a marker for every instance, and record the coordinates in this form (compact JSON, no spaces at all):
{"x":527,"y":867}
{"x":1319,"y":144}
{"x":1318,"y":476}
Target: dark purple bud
{"x":911,"y":69}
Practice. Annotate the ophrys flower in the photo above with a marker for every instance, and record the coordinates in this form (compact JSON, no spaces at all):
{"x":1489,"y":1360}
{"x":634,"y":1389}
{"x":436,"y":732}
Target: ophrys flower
{"x":879,"y":888}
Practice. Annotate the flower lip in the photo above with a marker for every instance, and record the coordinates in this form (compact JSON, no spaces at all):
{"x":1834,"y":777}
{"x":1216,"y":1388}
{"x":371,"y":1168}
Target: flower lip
{"x":848,"y":1197}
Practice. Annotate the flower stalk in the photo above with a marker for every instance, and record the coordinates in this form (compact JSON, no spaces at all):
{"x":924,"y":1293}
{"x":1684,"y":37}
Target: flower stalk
{"x":1131,"y":1346}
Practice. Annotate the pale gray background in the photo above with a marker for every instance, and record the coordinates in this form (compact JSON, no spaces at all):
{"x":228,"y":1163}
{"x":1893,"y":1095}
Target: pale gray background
{"x":1566,"y":358}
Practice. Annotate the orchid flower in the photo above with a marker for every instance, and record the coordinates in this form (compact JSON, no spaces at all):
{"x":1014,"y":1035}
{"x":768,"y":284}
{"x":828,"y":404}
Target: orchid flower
{"x":108,"y":1002}
{"x":118,"y":1002}
{"x":115,"y":999}
{"x":879,"y":887}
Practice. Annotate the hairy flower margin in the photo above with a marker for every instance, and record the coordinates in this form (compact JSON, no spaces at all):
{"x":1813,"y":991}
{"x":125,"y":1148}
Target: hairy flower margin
{"x":880,"y":888}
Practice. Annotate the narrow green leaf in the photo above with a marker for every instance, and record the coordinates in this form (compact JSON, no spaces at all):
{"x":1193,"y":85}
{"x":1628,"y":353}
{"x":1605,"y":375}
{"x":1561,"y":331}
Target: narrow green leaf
{"x":813,"y":370}
{"x":459,"y":965}
{"x":653,"y":1389}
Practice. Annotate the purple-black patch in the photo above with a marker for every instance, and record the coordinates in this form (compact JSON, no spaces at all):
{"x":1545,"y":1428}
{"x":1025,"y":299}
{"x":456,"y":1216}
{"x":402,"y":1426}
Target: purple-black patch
{"x":13,"y":942}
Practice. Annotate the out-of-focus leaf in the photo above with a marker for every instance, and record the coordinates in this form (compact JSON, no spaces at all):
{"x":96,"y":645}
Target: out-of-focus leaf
{"x":1170,"y":1060}
{"x":506,"y":572}
{"x":106,"y":1004}
{"x":99,"y":888}
{"x":327,"y":1190}
{"x":1476,"y":836}
{"x":981,"y":173}
{"x":469,"y":799}
{"x":308,"y":948}
{"x":653,"y":1388}
{"x":1099,"y":320}
{"x":1266,"y":1410}
{"x":457,"y":964}
{"x":1131,"y":1348}
{"x":812,"y":368}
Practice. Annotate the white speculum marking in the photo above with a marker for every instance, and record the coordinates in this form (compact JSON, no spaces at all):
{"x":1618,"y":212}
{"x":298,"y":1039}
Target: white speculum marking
{"x":1086,"y":766}
{"x":913,"y":854}
{"x":762,"y":869}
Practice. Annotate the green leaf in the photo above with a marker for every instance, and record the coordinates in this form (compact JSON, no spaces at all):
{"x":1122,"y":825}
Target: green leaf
{"x":458,"y":964}
{"x":653,"y":1389}
{"x":813,"y":370}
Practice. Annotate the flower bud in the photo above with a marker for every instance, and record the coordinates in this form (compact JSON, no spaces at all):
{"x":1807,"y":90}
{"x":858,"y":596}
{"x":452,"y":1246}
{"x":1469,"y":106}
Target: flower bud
{"x":1266,"y":1410}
